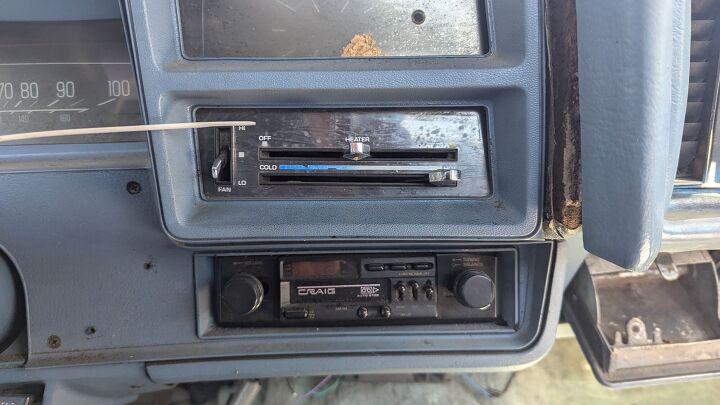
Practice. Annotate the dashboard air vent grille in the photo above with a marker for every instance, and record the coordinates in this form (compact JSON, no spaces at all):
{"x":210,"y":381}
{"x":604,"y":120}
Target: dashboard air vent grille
{"x":701,"y":89}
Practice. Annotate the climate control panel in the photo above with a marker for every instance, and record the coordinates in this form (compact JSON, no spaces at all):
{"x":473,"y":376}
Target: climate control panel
{"x":343,"y":153}
{"x":358,"y":289}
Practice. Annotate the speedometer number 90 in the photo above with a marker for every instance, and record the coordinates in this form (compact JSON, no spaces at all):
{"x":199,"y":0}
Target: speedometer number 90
{"x":65,"y":89}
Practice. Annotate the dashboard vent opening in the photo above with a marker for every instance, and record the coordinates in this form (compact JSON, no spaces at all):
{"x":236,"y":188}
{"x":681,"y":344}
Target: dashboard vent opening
{"x":702,"y":91}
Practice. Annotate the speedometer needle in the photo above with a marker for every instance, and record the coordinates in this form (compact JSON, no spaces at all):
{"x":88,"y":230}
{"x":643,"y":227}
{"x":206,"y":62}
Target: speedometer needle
{"x":107,"y":101}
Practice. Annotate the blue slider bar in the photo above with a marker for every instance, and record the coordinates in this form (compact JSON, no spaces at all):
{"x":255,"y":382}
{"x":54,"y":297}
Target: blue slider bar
{"x":316,"y":167}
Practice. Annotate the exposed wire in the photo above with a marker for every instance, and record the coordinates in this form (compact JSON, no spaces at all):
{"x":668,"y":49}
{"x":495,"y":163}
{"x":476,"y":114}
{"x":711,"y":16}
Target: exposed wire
{"x":314,"y":390}
{"x":476,"y":386}
{"x":121,"y":129}
{"x":329,"y":389}
{"x":485,"y":391}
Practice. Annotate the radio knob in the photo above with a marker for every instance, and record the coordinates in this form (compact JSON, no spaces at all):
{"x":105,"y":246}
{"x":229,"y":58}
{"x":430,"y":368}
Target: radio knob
{"x":474,"y":289}
{"x":243,"y":294}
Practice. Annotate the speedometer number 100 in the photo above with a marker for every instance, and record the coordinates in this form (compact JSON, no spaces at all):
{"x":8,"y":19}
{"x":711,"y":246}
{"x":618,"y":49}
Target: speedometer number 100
{"x":118,"y":88}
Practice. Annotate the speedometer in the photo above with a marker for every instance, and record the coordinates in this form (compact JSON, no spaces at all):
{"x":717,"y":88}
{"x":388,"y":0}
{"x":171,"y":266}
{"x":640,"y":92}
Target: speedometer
{"x":57,"y":75}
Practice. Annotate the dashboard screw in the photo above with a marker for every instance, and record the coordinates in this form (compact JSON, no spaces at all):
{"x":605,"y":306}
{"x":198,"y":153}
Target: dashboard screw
{"x":53,"y":341}
{"x":133,"y":187}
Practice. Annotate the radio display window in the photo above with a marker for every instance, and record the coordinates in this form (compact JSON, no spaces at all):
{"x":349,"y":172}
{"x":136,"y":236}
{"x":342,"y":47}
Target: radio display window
{"x":316,"y":268}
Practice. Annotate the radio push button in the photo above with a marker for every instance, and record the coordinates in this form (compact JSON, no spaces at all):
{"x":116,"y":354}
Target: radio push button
{"x":429,"y":291}
{"x":415,"y":287}
{"x":374,"y":267}
{"x":400,"y":289}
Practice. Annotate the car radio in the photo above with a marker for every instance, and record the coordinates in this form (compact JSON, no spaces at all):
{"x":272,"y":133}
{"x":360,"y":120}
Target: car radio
{"x":343,"y":153}
{"x":357,"y":289}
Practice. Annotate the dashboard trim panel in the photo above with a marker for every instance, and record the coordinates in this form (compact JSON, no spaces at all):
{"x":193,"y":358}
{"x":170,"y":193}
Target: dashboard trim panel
{"x":508,"y":82}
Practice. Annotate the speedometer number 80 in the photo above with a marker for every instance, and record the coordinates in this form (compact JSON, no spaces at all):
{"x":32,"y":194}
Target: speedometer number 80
{"x":29,"y":90}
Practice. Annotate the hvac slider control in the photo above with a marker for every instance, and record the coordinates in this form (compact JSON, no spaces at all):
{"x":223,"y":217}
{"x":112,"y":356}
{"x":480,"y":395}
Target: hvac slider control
{"x":221,"y":168}
{"x":444,"y":177}
{"x":219,"y":164}
{"x":358,"y":151}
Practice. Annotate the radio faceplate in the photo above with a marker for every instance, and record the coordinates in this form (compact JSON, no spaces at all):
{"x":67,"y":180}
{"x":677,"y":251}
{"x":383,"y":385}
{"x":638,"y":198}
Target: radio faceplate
{"x":343,"y":153}
{"x":359,"y":289}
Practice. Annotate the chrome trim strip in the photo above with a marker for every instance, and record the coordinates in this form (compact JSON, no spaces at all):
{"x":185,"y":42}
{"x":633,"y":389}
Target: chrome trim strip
{"x":68,"y":157}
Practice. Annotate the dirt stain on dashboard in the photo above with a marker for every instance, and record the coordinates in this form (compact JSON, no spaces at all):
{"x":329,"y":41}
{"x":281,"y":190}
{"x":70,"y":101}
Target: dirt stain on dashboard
{"x":361,"y":45}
